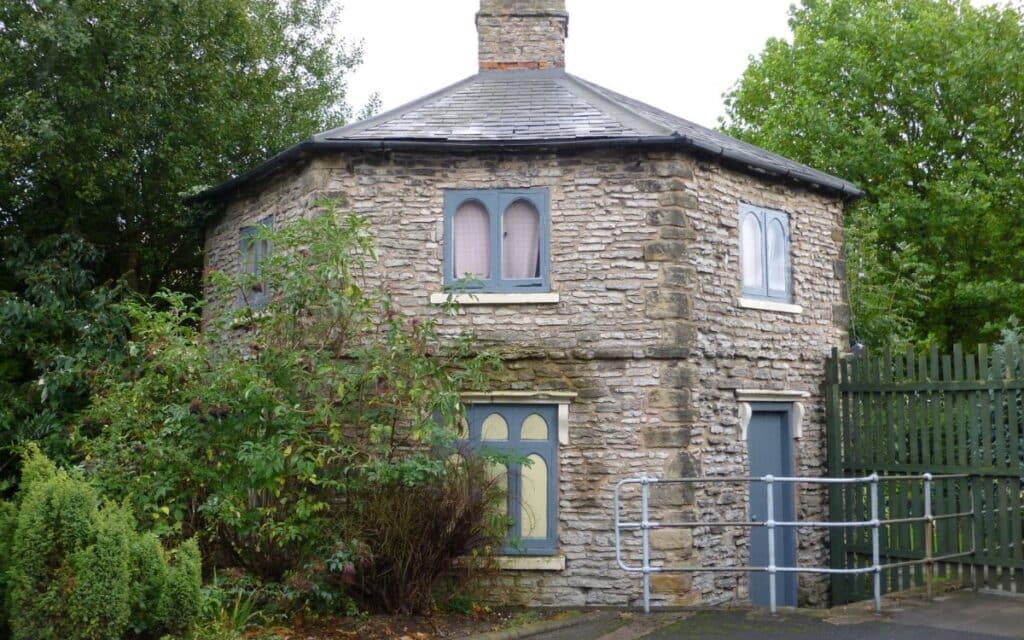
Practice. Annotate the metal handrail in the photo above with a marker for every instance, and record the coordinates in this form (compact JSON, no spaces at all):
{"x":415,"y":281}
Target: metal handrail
{"x":645,"y":525}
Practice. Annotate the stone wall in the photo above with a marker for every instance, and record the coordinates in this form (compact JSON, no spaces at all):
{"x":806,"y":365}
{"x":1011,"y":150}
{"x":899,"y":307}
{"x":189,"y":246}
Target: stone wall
{"x":647,"y":332}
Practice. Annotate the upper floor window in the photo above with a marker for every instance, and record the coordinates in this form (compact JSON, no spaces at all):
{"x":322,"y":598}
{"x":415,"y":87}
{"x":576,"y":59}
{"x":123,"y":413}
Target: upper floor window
{"x":253,"y":250}
{"x":497,"y":239}
{"x":764,"y":253}
{"x":528,"y":433}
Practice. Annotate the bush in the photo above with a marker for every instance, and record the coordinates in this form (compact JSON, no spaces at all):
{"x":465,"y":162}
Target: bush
{"x":407,"y":547}
{"x":164,"y":596}
{"x":79,"y":571}
{"x":8,"y":516}
{"x":264,"y":432}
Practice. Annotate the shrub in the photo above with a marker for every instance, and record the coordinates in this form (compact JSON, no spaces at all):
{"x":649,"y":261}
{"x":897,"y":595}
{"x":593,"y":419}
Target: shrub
{"x":164,"y":594}
{"x":8,"y":518}
{"x":76,"y":563}
{"x":262,"y":433}
{"x":407,"y":547}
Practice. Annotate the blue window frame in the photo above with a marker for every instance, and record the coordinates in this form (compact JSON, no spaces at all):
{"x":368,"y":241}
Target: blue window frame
{"x":253,"y":250}
{"x":765,"y":266}
{"x":501,"y":237}
{"x":525,"y":432}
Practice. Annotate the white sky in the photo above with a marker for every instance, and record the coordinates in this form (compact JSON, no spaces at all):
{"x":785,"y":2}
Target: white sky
{"x":679,"y":55}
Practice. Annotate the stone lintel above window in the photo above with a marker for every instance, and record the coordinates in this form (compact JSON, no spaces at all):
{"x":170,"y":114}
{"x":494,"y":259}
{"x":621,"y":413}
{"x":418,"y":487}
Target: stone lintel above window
{"x":560,"y":398}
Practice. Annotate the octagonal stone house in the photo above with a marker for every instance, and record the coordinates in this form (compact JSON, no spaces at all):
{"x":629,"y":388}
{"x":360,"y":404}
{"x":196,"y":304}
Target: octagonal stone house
{"x":665,"y":296}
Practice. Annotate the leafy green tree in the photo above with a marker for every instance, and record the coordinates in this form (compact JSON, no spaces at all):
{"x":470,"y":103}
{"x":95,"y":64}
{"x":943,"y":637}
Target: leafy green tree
{"x":57,"y":326}
{"x":921,"y":103}
{"x":111,"y":112}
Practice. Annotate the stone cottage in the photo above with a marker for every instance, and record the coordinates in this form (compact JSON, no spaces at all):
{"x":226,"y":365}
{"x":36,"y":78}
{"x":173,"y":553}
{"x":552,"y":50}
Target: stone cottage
{"x":665,"y":296}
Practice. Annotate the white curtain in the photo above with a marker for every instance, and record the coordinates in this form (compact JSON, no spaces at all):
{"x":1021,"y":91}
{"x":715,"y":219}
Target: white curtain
{"x":520,"y":241}
{"x":751,"y":253}
{"x":776,"y":256}
{"x":472,"y":249}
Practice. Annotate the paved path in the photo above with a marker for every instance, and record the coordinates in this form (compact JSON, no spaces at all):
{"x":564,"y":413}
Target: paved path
{"x":959,"y":616}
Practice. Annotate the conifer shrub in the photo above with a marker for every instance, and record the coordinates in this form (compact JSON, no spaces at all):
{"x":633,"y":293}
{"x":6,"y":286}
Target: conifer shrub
{"x":77,"y":569}
{"x":8,"y":516}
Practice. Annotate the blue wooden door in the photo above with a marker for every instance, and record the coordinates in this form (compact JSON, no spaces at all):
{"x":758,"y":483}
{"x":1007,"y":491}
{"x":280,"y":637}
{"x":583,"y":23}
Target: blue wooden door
{"x":769,"y":447}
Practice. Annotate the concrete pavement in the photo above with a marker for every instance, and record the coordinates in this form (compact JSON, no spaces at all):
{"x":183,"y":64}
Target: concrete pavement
{"x":956,"y":616}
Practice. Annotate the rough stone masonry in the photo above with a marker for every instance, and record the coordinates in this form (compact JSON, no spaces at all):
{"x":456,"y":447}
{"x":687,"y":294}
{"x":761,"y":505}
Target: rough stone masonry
{"x":647,"y":331}
{"x":521,"y":34}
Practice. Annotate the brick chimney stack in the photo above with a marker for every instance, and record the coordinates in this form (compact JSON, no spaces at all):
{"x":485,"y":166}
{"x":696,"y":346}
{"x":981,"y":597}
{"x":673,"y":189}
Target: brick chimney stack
{"x":521,"y":34}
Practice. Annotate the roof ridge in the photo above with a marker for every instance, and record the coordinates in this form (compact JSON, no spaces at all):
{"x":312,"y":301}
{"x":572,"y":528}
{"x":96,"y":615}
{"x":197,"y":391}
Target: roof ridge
{"x":612,"y":108}
{"x":632,"y":103}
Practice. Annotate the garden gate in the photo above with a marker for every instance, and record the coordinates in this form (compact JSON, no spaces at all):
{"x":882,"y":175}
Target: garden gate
{"x":911,"y":414}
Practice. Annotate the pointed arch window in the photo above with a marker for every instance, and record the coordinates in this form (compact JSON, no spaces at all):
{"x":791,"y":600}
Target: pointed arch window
{"x":765,"y":254}
{"x":497,"y":240}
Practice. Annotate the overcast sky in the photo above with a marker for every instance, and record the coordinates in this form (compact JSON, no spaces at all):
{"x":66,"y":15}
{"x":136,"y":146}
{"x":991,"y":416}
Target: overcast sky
{"x":679,"y":55}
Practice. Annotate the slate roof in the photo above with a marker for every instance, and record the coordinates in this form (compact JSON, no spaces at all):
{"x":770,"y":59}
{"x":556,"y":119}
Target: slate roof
{"x":536,"y":110}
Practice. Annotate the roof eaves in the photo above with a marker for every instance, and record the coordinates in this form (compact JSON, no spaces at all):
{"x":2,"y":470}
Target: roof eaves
{"x":817,"y":178}
{"x":842,"y":187}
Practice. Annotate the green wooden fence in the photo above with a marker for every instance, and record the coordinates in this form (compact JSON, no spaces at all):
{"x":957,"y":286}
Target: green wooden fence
{"x":915,"y":413}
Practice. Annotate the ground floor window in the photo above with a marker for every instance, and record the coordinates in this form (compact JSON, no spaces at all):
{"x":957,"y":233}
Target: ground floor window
{"x":528,"y":433}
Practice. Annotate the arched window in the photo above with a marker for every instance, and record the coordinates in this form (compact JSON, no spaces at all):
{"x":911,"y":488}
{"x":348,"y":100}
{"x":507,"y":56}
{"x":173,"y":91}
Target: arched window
{"x":497,"y":240}
{"x":752,"y":253}
{"x":520,"y":241}
{"x":527,"y":434}
{"x":777,"y":253}
{"x":471,"y":234}
{"x":764,"y":253}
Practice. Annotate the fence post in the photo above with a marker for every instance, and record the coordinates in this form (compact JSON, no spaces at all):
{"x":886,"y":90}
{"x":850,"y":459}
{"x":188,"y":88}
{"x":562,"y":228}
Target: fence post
{"x":769,"y":481}
{"x":837,"y":493}
{"x":929,"y":524}
{"x":875,"y":563}
{"x":644,"y":524}
{"x":973,"y":482}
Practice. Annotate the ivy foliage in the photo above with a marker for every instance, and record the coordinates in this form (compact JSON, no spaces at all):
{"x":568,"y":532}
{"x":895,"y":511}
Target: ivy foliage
{"x":113,"y":111}
{"x":262,"y":433}
{"x":921,"y":103}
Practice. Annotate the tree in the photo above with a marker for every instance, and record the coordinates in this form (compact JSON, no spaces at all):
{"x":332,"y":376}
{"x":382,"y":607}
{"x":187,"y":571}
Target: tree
{"x":921,"y":103}
{"x":57,"y":327}
{"x":111,"y":112}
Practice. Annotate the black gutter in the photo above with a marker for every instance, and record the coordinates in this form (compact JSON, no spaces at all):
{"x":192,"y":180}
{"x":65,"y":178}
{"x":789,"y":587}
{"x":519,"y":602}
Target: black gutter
{"x":845,"y":189}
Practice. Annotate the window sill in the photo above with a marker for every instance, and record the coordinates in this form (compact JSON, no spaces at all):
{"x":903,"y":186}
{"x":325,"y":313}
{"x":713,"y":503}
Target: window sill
{"x":770,"y":305}
{"x":524,"y":563}
{"x":496,"y":298}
